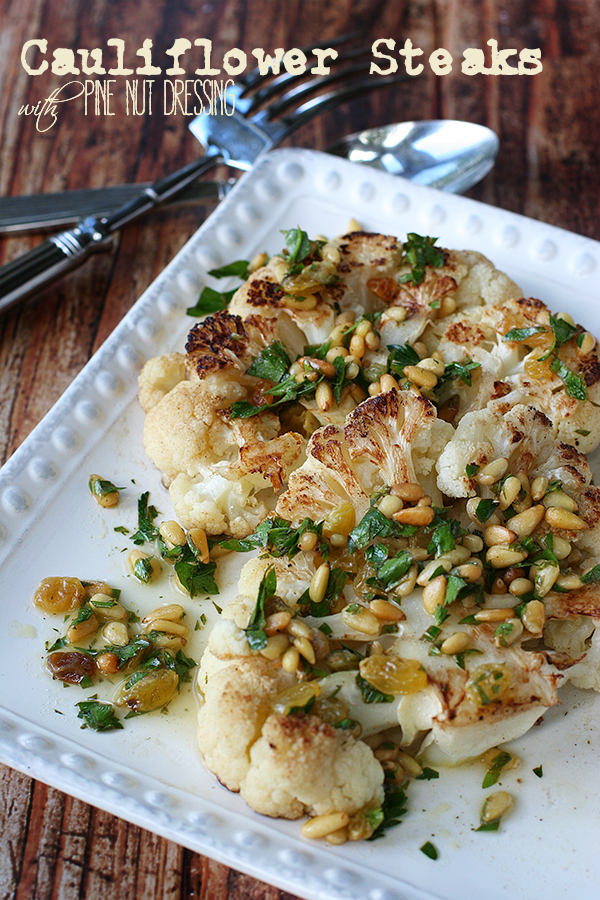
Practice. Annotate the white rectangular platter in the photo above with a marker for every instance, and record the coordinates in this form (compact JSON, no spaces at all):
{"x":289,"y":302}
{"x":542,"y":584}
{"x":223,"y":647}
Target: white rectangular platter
{"x":150,"y":773}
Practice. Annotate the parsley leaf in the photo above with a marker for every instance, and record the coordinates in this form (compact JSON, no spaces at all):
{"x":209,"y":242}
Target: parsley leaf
{"x":100,"y":487}
{"x":521,"y":334}
{"x":297,"y":243}
{"x":420,"y":251}
{"x":393,"y":808}
{"x":428,"y":774}
{"x":539,"y":771}
{"x":401,"y":355}
{"x":238,"y":268}
{"x":210,"y":301}
{"x":370,"y":694}
{"x":255,"y":632}
{"x":485,"y":508}
{"x":195,"y":576}
{"x":374,"y":524}
{"x":563,"y":330}
{"x":464,"y":371}
{"x":592,"y":576}
{"x":146,"y":515}
{"x":389,"y":573}
{"x":429,"y":850}
{"x":574,"y":384}
{"x":493,"y":773}
{"x":97,"y":715}
{"x":272,"y":363}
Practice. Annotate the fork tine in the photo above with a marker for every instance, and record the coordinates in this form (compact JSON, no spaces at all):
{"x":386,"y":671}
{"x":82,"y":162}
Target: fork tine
{"x":279,"y":83}
{"x":300,"y":91}
{"x":317,"y":105}
{"x":249,"y":81}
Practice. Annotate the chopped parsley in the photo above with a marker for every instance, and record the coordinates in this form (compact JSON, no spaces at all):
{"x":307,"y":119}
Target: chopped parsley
{"x":276,"y":536}
{"x":255,"y":632}
{"x":100,"y":487}
{"x":97,"y":715}
{"x":146,"y":515}
{"x":272,"y":363}
{"x":210,"y":301}
{"x":492,"y":775}
{"x":520,"y":335}
{"x":239,"y":269}
{"x":574,"y":384}
{"x":420,"y":252}
{"x":429,"y":850}
{"x":538,"y":771}
{"x":393,"y":808}
{"x":370,"y":694}
{"x":593,"y":576}
{"x":374,"y":524}
{"x":428,"y":774}
{"x":298,"y":245}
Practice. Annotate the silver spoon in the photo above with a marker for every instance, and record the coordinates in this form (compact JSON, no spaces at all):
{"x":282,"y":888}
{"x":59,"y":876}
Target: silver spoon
{"x":442,"y":153}
{"x":446,"y":154}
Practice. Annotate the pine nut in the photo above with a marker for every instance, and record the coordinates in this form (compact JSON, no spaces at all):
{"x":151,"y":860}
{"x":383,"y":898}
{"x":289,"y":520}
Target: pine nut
{"x":569,"y":582}
{"x":171,"y":612}
{"x":505,"y":640}
{"x":499,"y":586}
{"x":278,"y":621}
{"x":336,"y":838}
{"x":497,"y":534}
{"x":338,"y":336}
{"x":383,"y":609}
{"x":334,"y":353}
{"x":166,"y":626}
{"x":473,"y":543}
{"x":414,"y":390}
{"x":470,"y":572}
{"x":410,"y":764}
{"x":427,"y":573}
{"x":543,"y":578}
{"x":455,"y":643}
{"x":494,"y":615}
{"x":357,"y":393}
{"x":418,"y":553}
{"x":499,"y":556}
{"x":397,"y":313}
{"x":153,"y":565}
{"x":116,"y":634}
{"x":447,"y":306}
{"x":108,"y":663}
{"x":308,"y":541}
{"x":279,"y":268}
{"x":298,"y":628}
{"x":324,"y":396}
{"x":425,"y":501}
{"x":338,"y":541}
{"x":348,"y":317}
{"x":361,"y":620}
{"x":559,"y":500}
{"x":495,"y":806}
{"x":510,"y":491}
{"x":363,"y":328}
{"x":560,"y":547}
{"x":394,"y":771}
{"x":305,"y":649}
{"x":374,"y":389}
{"x":257,"y":262}
{"x":386,"y":751}
{"x":565,"y":520}
{"x":534,"y":616}
{"x":420,"y":349}
{"x":200,"y":542}
{"x":566,"y":318}
{"x":493,"y":472}
{"x":357,"y":346}
{"x":114,"y":612}
{"x":172,"y":534}
{"x":352,"y":370}
{"x":388,"y":383}
{"x":588,"y":342}
{"x":434,"y":594}
{"x":415,"y":515}
{"x":407,"y":582}
{"x":372,"y":341}
{"x":409,"y":492}
{"x":520,"y":586}
{"x":309,"y":302}
{"x":389,"y":505}
{"x":318,"y":584}
{"x":436,"y":366}
{"x":323,"y":825}
{"x":276,"y":646}
{"x":539,"y":487}
{"x":525,"y":523}
{"x":82,"y":630}
{"x":290,"y":660}
{"x":455,"y":557}
{"x":421,"y":377}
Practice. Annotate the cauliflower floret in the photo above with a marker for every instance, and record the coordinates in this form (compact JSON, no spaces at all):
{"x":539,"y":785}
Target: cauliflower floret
{"x":392,"y":438}
{"x":158,"y":377}
{"x":293,"y":575}
{"x":303,"y":765}
{"x":238,"y":698}
{"x":219,"y":503}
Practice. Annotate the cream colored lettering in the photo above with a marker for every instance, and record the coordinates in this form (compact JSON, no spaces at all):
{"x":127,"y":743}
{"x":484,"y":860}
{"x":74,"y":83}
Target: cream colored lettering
{"x":473,"y":62}
{"x":242,"y":61}
{"x":409,"y":52}
{"x":294,"y":61}
{"x":500,"y":64}
{"x":97,"y":68}
{"x":322,"y":55}
{"x":530,"y":56}
{"x":120,"y":45}
{"x":441,"y":62}
{"x":204,"y":42}
{"x":63,"y":62}
{"x":145,"y":52}
{"x":266,"y":62}
{"x":43,"y":46}
{"x":393,"y":64}
{"x":176,"y":51}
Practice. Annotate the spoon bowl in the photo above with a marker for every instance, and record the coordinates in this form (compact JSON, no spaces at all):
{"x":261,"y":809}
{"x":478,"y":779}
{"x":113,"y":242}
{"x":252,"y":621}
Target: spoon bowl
{"x":441,"y":153}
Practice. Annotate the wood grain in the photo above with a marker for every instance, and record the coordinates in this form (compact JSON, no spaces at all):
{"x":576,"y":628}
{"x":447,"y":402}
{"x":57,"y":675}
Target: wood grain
{"x":53,"y":846}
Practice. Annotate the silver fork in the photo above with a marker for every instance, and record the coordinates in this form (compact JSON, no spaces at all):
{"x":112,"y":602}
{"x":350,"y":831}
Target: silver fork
{"x":258,"y":123}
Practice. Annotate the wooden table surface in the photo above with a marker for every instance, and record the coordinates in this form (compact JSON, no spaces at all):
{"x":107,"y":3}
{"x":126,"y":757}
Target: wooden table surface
{"x":51,"y":845}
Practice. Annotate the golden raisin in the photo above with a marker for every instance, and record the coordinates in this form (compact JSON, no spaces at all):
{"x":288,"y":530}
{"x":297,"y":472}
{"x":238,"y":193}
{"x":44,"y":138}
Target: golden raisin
{"x":393,"y":675}
{"x":59,"y":595}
